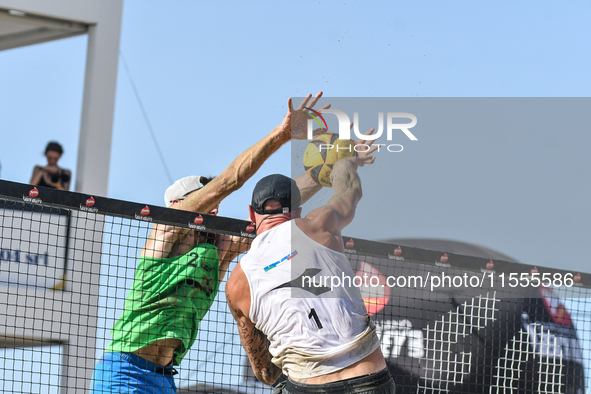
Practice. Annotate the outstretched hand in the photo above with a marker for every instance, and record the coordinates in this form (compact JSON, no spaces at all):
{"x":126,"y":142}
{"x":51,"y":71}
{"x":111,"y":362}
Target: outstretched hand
{"x":295,"y":123}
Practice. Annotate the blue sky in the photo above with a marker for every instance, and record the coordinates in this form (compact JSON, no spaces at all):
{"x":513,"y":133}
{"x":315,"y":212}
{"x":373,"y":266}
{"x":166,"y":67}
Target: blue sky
{"x":214,"y":80}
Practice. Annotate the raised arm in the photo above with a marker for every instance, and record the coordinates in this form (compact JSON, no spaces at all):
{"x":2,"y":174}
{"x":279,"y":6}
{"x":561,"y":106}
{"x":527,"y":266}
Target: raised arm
{"x":347,"y":192}
{"x":324,"y":224}
{"x":294,"y":125}
{"x":163,"y":238}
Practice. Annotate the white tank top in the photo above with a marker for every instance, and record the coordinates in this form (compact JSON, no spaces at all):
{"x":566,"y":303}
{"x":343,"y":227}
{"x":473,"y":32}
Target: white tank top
{"x":313,"y":330}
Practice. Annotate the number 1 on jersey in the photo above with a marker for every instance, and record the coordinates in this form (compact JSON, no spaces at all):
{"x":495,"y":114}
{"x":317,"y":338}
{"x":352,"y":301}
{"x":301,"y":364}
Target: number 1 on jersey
{"x":316,"y":319}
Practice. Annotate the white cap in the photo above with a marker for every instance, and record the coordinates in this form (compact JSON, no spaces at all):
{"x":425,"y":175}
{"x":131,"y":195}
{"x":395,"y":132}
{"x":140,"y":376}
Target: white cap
{"x":182,"y":188}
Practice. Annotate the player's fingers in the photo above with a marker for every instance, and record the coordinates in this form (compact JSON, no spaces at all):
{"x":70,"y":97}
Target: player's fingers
{"x":327,"y":106}
{"x":304,"y":102}
{"x":365,"y":154}
{"x":369,"y":132}
{"x":289,"y":105}
{"x":315,"y":100}
{"x":373,"y":149}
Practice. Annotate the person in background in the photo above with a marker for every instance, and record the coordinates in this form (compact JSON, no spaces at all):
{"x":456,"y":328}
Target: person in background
{"x":52,"y":175}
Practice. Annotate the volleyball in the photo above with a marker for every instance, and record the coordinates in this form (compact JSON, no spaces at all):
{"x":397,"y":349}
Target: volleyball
{"x":322,"y":153}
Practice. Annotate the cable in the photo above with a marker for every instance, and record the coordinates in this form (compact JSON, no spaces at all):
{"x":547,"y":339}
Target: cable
{"x":137,"y":96}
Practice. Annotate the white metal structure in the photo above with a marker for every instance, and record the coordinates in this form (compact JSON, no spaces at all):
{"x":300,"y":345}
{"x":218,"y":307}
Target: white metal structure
{"x":27,"y":22}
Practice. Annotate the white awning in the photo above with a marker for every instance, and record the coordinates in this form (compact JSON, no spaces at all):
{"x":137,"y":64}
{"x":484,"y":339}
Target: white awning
{"x":18,"y":28}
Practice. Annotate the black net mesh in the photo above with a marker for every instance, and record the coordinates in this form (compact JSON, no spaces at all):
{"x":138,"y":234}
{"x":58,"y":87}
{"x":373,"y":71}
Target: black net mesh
{"x":448,"y":323}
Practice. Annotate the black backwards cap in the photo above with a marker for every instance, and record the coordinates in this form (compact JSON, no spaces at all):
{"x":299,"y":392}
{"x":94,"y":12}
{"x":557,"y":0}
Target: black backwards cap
{"x":277,"y":187}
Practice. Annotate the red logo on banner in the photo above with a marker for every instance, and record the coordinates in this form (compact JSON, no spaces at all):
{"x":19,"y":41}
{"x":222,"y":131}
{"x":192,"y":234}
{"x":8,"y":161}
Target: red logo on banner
{"x":490,"y":265}
{"x":444,"y":258}
{"x":198,"y":220}
{"x":250,"y":228}
{"x":376,"y":293}
{"x":534,"y":270}
{"x":398,"y":251}
{"x":555,"y":307}
{"x":33,"y":192}
{"x":349,"y":244}
{"x":90,"y":202}
{"x":145,"y":211}
{"x":577,"y":278}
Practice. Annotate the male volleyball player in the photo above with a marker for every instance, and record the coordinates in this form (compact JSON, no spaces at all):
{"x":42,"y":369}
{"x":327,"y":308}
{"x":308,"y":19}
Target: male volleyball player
{"x":179,"y":271}
{"x":320,"y":337}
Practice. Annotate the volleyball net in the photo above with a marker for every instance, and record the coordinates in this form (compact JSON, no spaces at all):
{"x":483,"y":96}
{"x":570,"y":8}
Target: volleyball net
{"x":448,"y":322}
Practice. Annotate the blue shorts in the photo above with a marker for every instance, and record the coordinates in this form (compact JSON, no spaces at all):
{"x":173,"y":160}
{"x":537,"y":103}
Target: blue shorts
{"x":129,"y":373}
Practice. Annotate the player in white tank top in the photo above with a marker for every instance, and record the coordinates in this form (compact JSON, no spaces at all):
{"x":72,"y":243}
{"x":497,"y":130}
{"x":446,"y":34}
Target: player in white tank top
{"x":279,"y":322}
{"x":313,"y":330}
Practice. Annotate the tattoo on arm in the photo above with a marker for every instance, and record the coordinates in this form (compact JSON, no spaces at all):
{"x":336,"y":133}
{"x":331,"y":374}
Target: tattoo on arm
{"x":256,"y":345}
